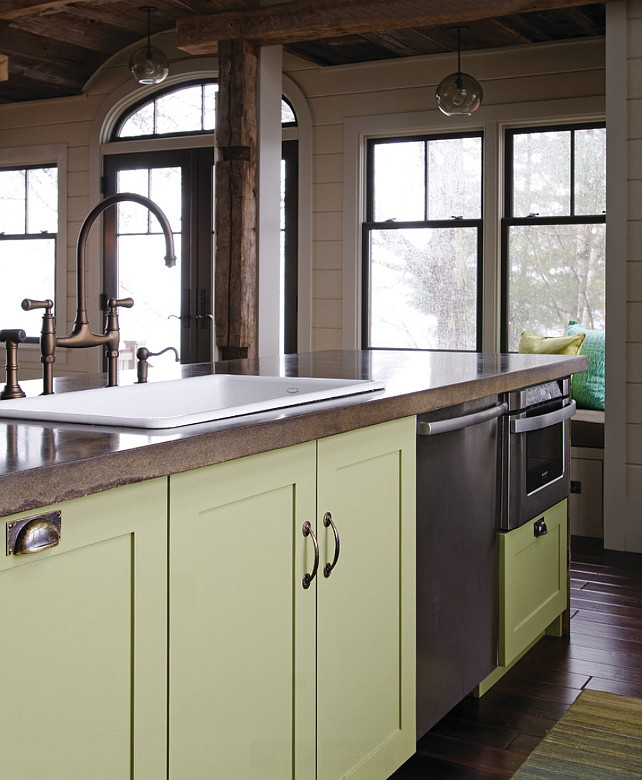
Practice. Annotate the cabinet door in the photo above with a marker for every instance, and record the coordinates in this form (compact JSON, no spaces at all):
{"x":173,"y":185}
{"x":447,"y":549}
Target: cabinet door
{"x":366,"y":607}
{"x":533,"y":581}
{"x":242,"y":657}
{"x":83,"y":680}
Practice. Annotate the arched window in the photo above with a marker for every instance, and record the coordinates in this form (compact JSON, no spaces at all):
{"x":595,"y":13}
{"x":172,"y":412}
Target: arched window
{"x":174,"y":307}
{"x":186,"y":110}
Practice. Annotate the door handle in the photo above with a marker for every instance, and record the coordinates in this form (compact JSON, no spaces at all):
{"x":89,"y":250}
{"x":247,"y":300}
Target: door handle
{"x":457,"y":423}
{"x":327,"y":520}
{"x":307,"y":578}
{"x":528,"y":424}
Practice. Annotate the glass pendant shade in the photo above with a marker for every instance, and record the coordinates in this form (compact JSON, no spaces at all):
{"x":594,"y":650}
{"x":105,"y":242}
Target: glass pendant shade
{"x":149,"y":65}
{"x":459,"y":95}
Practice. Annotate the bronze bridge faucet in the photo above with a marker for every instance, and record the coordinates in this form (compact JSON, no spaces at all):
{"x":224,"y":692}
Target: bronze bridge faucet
{"x":81,"y":335}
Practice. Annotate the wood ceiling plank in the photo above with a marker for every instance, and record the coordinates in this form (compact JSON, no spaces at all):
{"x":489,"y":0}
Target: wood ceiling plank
{"x":16,"y":9}
{"x":307,"y":20}
{"x":78,"y":31}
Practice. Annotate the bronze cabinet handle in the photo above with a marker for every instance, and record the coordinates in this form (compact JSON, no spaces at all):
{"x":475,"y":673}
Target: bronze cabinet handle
{"x":34,"y":534}
{"x":327,"y":520}
{"x":307,"y":578}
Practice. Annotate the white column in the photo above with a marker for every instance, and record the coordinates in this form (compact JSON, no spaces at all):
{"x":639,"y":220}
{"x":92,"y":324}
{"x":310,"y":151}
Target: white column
{"x":269,"y":198}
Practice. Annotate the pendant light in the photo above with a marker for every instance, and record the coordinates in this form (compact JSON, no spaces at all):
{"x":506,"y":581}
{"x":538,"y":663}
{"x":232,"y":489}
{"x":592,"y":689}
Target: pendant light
{"x":459,"y":94}
{"x":149,"y":64}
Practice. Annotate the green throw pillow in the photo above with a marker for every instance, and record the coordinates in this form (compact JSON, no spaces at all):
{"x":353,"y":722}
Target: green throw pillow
{"x":588,"y":387}
{"x":530,"y":343}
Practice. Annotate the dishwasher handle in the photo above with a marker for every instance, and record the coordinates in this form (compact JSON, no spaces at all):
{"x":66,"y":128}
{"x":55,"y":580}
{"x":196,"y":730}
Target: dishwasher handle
{"x":527,"y":424}
{"x":457,"y":423}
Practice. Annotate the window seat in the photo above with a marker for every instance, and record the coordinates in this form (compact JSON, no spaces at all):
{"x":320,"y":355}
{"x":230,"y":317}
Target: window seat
{"x":587,"y":453}
{"x":587,"y":428}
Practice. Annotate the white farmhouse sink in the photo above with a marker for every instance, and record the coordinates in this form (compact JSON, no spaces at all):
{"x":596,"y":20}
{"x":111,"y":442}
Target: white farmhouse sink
{"x":182,"y":401}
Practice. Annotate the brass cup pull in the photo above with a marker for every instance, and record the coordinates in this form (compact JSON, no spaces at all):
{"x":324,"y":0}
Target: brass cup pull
{"x":307,"y":578}
{"x":33,"y":534}
{"x":327,"y":520}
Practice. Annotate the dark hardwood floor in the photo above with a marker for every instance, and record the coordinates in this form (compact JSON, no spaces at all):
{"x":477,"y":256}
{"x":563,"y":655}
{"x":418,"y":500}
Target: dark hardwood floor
{"x":488,"y":739}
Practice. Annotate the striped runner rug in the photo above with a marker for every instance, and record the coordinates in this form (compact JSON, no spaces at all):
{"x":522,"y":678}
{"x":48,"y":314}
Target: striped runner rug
{"x":599,"y":738}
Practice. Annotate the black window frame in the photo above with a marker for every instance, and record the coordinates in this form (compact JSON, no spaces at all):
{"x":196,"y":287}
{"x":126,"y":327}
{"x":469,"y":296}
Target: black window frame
{"x":456,"y":222}
{"x":149,"y":99}
{"x":508,"y":220}
{"x":35,"y":236}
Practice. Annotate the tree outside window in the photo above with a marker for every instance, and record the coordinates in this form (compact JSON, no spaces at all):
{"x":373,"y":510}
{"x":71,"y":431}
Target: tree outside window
{"x":554,"y":230}
{"x":422,"y":243}
{"x":28,"y":233}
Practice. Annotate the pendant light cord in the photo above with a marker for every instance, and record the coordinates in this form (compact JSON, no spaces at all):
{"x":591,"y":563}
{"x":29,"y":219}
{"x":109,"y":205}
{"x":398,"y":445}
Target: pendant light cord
{"x":458,"y":82}
{"x":149,"y":36}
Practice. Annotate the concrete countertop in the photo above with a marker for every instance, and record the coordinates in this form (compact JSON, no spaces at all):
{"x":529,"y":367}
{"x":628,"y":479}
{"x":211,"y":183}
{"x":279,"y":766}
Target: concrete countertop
{"x":44,"y":463}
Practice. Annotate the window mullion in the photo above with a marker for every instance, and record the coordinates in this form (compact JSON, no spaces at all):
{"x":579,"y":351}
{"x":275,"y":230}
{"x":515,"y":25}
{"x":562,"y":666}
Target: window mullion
{"x":572,"y":174}
{"x":426,"y":180}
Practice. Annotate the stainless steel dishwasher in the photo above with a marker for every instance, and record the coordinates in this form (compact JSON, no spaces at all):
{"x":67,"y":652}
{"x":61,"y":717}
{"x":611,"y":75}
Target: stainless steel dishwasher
{"x":458,"y":503}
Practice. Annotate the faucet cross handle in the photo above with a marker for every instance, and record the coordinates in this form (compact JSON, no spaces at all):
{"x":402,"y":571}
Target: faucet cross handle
{"x":47,"y":340}
{"x":29,"y":304}
{"x":126,"y":303}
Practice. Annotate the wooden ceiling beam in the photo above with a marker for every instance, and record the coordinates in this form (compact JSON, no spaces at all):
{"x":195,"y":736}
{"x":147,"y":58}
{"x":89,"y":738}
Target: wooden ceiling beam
{"x":17,"y":9}
{"x":308,"y":20}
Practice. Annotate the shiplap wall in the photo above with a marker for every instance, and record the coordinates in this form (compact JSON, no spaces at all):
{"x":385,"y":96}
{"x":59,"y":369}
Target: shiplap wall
{"x":334,"y":94}
{"x":631,"y":539}
{"x":75,"y":122}
{"x":516,"y":75}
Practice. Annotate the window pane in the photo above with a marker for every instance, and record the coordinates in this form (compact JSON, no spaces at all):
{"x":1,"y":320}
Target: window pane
{"x":556,"y":274}
{"x":42,"y":200}
{"x":423,"y":288}
{"x":541,"y":174}
{"x":590,"y":171}
{"x":399,"y":181}
{"x":166,"y":193}
{"x":27,"y":269}
{"x":180,"y":111}
{"x":287,"y":114}
{"x":454,"y":178}
{"x":12,"y":202}
{"x":142,"y":275}
{"x":140,"y":123}
{"x":132,"y":218}
{"x":209,"y":106}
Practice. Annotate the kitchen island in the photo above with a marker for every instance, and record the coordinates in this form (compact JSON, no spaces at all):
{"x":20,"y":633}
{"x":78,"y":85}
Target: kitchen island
{"x":230,"y":599}
{"x":43,"y":463}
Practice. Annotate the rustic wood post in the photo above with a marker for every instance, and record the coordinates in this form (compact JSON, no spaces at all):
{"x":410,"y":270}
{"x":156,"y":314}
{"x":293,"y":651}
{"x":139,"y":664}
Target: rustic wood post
{"x":236,"y":268}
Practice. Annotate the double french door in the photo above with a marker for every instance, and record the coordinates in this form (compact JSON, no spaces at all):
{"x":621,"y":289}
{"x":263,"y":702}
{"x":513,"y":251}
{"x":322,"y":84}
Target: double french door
{"x":173,"y":307}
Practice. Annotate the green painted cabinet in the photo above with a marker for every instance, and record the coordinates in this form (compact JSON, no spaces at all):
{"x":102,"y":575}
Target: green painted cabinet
{"x":83,"y":643}
{"x":269,"y":678}
{"x":242,"y":659}
{"x":533,"y":580}
{"x":366,"y":607}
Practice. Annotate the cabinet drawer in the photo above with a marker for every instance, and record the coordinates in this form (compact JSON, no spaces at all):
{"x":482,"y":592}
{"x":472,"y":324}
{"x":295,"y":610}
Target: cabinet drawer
{"x":532,"y":581}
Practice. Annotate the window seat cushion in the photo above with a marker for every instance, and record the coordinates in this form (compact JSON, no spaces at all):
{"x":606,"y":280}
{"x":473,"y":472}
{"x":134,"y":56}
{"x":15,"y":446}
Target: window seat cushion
{"x":588,"y":386}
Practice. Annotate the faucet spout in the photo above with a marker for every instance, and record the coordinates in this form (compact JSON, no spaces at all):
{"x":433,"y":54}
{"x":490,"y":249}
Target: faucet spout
{"x":81,"y":250}
{"x":81,"y":334}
